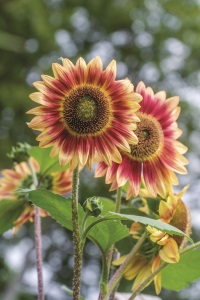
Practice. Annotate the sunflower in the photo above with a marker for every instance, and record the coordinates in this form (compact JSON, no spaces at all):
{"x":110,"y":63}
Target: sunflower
{"x":85,"y":114}
{"x":20,"y":178}
{"x":158,"y":246}
{"x":158,"y":154}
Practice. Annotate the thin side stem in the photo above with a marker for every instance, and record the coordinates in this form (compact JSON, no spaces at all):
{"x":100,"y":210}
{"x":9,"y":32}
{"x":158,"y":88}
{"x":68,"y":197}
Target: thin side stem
{"x":76,"y":237}
{"x":118,"y":200}
{"x":114,"y":252}
{"x":189,"y":248}
{"x":38,"y":241}
{"x":147,"y":281}
{"x":116,"y":210}
{"x":107,"y":264}
{"x":38,"y":249}
{"x":162,"y":266}
{"x":104,"y":279}
{"x":118,"y":274}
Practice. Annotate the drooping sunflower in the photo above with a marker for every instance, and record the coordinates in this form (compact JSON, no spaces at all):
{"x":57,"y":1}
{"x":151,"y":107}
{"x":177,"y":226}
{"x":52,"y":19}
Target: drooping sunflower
{"x":158,"y":154}
{"x":158,"y":246}
{"x":20,"y":177}
{"x":85,"y":114}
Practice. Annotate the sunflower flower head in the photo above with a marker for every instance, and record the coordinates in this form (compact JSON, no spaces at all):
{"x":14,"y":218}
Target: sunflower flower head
{"x":172,"y":210}
{"x":20,"y":178}
{"x":158,"y":246}
{"x":86,"y":114}
{"x":158,"y":155}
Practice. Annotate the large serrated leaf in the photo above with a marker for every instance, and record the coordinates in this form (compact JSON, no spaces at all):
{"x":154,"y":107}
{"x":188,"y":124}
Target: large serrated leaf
{"x":10,"y":210}
{"x":107,"y":233}
{"x":104,"y":233}
{"x":47,"y":164}
{"x":148,"y":221}
{"x":178,"y":276}
{"x":58,"y":206}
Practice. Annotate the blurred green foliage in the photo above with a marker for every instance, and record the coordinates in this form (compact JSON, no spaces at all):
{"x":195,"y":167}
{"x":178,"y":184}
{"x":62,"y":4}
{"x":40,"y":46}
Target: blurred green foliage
{"x":154,"y":41}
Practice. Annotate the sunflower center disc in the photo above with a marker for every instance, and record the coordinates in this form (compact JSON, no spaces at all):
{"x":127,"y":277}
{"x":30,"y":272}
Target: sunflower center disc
{"x":150,"y":138}
{"x":86,"y":110}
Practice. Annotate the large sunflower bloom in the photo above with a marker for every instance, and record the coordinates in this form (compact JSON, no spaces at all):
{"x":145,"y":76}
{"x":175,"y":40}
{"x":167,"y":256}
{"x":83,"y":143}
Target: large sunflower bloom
{"x":158,"y":154}
{"x":20,"y":177}
{"x":85,"y":114}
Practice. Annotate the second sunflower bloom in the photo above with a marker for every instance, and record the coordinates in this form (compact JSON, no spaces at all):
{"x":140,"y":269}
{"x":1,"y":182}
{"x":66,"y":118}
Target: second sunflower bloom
{"x":157,"y":155}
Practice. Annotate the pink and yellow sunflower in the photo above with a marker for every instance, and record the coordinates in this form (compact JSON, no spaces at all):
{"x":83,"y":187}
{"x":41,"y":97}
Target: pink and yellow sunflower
{"x":85,"y":114}
{"x":158,"y":154}
{"x":20,"y":177}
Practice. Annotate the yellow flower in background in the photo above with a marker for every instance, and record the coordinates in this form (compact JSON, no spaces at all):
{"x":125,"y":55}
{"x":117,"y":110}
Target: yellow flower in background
{"x":85,"y":114}
{"x":20,"y":177}
{"x":158,"y":154}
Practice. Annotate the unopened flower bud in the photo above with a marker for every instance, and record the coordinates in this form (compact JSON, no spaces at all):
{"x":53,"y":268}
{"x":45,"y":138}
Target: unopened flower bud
{"x":93,"y":206}
{"x":19,"y":153}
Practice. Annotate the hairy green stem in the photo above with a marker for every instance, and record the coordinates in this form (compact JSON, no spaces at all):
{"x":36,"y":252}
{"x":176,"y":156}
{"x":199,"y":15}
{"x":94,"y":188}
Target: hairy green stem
{"x":76,"y":237}
{"x":38,"y":241}
{"x":119,"y":273}
{"x":116,"y":210}
{"x":162,"y":266}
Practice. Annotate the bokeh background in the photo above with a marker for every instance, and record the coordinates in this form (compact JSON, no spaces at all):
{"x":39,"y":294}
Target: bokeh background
{"x":154,"y":41}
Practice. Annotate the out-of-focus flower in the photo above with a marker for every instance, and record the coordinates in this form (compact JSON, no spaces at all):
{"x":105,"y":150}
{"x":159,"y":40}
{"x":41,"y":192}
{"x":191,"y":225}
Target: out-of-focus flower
{"x":19,"y":153}
{"x":158,"y":246}
{"x":20,"y":178}
{"x":85,"y":114}
{"x":158,"y":154}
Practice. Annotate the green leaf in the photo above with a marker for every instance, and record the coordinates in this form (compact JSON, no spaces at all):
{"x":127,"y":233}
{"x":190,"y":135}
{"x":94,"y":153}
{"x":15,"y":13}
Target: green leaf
{"x":107,"y":233}
{"x":177,"y":276}
{"x":58,"y":206}
{"x":147,"y":221}
{"x":47,"y":164}
{"x":10,"y":210}
{"x":103,"y":234}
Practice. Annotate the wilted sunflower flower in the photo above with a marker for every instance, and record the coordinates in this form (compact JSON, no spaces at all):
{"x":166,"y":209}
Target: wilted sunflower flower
{"x":157,"y":155}
{"x":20,"y":178}
{"x":85,"y":114}
{"x":158,"y":246}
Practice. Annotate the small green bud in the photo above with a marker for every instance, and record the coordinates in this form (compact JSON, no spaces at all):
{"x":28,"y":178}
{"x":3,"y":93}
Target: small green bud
{"x":93,"y":206}
{"x":19,"y":153}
